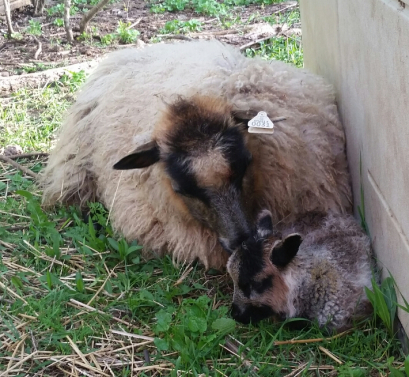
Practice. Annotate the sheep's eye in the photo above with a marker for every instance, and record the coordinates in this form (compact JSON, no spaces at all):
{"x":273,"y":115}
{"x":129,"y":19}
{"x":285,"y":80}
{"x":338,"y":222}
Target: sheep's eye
{"x":177,"y":189}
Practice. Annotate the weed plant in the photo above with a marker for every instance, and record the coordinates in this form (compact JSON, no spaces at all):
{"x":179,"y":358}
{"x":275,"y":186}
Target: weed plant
{"x":177,"y":27}
{"x":34,"y":28}
{"x":125,"y":34}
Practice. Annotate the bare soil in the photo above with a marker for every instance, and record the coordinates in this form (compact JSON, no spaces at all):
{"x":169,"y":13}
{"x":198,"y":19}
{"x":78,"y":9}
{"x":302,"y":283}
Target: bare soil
{"x":18,"y":56}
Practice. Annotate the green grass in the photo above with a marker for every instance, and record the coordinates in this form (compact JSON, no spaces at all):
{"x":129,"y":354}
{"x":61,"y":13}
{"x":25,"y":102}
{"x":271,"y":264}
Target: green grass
{"x":54,"y":262}
{"x":204,"y":7}
{"x":176,"y":26}
{"x":285,"y":48}
{"x":79,"y":301}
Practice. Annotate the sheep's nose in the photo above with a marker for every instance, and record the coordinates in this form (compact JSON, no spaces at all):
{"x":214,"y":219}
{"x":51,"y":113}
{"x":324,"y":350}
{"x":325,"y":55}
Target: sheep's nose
{"x":230,"y":245}
{"x":243,"y":236}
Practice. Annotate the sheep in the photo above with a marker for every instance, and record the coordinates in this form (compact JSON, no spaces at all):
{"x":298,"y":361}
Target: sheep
{"x":159,"y":136}
{"x":317,"y":271}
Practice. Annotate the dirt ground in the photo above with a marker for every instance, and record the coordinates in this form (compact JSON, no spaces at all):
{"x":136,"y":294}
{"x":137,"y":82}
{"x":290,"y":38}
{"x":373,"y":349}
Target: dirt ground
{"x":18,"y":56}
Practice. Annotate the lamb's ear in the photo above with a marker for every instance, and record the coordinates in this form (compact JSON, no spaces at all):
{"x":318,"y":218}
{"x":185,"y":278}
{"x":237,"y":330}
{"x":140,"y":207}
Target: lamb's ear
{"x":142,"y":157}
{"x":264,"y":224}
{"x":283,"y":252}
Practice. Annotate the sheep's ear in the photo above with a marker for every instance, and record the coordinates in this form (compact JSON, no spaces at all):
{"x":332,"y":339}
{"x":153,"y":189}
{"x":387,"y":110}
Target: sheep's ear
{"x":142,"y":157}
{"x":242,"y":117}
{"x":283,"y":252}
{"x":264,"y":224}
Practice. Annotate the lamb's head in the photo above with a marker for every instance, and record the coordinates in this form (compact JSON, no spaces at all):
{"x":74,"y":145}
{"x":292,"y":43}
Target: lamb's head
{"x":256,"y":268}
{"x":202,"y":147}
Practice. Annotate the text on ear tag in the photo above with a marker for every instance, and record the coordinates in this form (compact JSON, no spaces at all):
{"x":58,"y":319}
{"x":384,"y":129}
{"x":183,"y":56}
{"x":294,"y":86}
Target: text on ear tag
{"x":261,"y":124}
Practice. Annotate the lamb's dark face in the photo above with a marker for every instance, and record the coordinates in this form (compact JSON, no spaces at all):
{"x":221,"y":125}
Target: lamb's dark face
{"x":260,"y":290}
{"x":209,"y":166}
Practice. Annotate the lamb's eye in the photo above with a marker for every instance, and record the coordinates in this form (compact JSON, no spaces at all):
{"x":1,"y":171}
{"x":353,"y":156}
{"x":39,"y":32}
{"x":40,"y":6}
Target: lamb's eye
{"x":246,"y":289}
{"x":263,"y":285}
{"x":257,"y":286}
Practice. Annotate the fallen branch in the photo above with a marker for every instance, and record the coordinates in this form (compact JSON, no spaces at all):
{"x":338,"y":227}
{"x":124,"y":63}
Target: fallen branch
{"x":21,"y":362}
{"x":247,"y":45}
{"x":331,"y":355}
{"x":234,"y":350}
{"x":27,"y":155}
{"x":130,"y":335}
{"x":286,"y":33}
{"x":292,"y":5}
{"x":175,"y":36}
{"x":301,"y":341}
{"x":11,"y":41}
{"x":297,"y":371}
{"x":213,"y":33}
{"x":38,"y":52}
{"x":134,"y":24}
{"x":89,"y":15}
{"x":16,"y":228}
{"x":13,"y":83}
{"x":19,"y":167}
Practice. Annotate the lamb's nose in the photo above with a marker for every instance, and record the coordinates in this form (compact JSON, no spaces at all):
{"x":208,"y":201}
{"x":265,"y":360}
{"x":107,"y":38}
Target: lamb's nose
{"x":235,"y":311}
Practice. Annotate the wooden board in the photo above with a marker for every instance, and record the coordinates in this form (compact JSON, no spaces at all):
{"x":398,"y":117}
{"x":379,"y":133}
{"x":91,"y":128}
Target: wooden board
{"x":14,"y":4}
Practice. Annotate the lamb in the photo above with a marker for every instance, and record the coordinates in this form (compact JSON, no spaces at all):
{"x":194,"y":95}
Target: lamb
{"x":188,"y":178}
{"x":317,"y":274}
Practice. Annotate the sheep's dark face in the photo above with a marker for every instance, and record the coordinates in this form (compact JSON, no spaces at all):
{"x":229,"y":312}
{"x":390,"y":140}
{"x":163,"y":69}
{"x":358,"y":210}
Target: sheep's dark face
{"x":203,"y":149}
{"x":260,"y":291}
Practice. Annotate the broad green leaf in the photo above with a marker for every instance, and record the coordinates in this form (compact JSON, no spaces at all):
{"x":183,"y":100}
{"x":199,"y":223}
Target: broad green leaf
{"x":382,"y":308}
{"x":370,"y":295}
{"x":91,"y":229}
{"x":113,"y":243}
{"x":395,"y":372}
{"x":49,"y":279}
{"x":388,"y":289}
{"x":224,"y":325}
{"x":144,"y":294}
{"x":25,"y":193}
{"x":164,"y":320}
{"x":16,"y":281}
{"x":131,"y":249}
{"x":197,"y":324}
{"x":136,"y":260}
{"x":55,"y":236}
{"x":108,"y":287}
{"x":161,"y":344}
{"x":79,"y":282}
{"x":357,"y":372}
{"x":407,"y":366}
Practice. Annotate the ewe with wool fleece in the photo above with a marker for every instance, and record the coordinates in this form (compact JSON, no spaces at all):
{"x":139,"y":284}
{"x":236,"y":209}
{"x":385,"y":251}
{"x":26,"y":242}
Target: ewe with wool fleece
{"x":137,"y":99}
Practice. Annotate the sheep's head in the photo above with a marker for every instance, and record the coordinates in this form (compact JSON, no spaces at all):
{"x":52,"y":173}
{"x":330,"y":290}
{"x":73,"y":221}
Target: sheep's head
{"x":203,"y":148}
{"x":256,"y":268}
